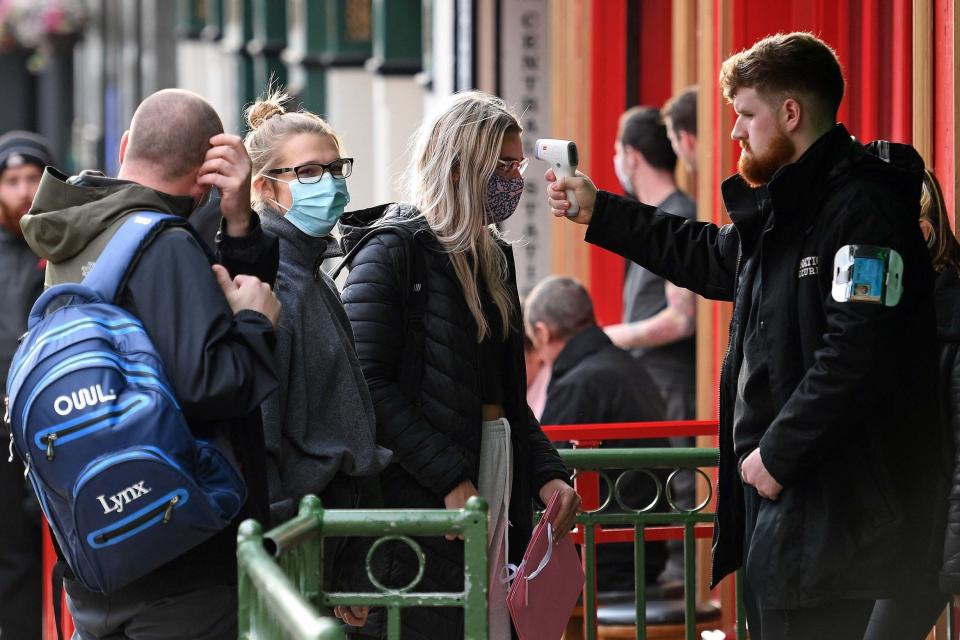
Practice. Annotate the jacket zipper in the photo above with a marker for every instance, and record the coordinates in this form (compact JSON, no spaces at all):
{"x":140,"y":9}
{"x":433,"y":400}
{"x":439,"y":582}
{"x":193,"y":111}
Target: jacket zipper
{"x":50,"y":439}
{"x":100,"y":359}
{"x":166,"y":509}
{"x":723,"y":366}
{"x":92,"y":361}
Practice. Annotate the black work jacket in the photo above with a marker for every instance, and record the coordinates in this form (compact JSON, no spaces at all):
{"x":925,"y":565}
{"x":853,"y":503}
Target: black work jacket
{"x":853,"y":385}
{"x":435,"y":439}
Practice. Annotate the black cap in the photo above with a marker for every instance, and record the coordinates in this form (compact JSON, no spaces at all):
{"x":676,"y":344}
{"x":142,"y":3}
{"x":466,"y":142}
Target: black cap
{"x":22,"y":147}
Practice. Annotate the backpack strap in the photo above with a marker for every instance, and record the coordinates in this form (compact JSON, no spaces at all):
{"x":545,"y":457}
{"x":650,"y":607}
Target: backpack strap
{"x":116,"y":263}
{"x":414,"y":302}
{"x":411,"y":366}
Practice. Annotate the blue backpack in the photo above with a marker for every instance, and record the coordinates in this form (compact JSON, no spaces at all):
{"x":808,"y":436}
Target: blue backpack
{"x":123,"y":482}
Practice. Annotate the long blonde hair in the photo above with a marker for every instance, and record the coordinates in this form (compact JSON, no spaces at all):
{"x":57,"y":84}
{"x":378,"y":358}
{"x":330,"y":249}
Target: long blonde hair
{"x":455,"y":154}
{"x":269,"y":125}
{"x":946,"y":249}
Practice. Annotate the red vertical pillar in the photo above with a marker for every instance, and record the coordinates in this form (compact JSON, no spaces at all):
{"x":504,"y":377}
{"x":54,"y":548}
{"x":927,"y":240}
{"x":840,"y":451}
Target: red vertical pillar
{"x":656,"y":40}
{"x":608,"y":100}
{"x":834,"y":23}
{"x":608,"y":96}
{"x":901,"y":64}
{"x":945,"y":100}
{"x":867,"y":84}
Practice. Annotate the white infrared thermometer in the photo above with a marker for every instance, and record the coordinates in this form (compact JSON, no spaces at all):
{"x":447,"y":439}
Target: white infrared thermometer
{"x":563,"y":158}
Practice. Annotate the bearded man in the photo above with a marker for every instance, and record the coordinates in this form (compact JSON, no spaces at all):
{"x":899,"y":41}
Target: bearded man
{"x":23,"y":155}
{"x":831,"y":487}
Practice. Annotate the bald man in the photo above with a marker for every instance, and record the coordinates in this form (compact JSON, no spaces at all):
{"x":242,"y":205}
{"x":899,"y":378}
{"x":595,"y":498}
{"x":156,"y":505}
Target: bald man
{"x":213,"y":332}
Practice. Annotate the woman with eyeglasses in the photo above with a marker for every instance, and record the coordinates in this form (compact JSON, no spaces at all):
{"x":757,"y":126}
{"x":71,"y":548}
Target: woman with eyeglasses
{"x":460,"y":425}
{"x":320,"y":426}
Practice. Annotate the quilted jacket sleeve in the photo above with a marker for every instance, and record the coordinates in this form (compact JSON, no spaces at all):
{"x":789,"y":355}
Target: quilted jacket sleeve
{"x":373,"y":301}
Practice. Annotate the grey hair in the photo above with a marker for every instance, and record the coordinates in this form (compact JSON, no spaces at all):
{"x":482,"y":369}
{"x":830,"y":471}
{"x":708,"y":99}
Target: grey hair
{"x":561,"y":303}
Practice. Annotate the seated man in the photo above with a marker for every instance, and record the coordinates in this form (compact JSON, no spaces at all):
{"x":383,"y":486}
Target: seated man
{"x":594,"y":381}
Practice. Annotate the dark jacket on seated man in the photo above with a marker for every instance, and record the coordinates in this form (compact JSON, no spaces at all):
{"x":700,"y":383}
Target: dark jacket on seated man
{"x":594,"y":381}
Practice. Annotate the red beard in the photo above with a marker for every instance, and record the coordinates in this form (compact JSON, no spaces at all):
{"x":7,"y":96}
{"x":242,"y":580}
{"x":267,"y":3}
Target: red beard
{"x":757,"y":170}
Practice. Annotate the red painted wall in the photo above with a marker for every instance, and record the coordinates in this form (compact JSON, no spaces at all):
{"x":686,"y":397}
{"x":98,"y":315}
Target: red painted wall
{"x":944,"y":100}
{"x":609,"y":100}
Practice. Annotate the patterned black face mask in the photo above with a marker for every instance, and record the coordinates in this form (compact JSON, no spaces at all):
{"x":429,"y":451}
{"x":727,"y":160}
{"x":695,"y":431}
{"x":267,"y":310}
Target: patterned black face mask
{"x":503,"y":195}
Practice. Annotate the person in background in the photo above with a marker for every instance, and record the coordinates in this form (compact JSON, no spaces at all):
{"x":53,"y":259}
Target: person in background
{"x":538,"y":377}
{"x":23,"y":156}
{"x":659,"y":318}
{"x":680,"y":116}
{"x":466,"y":429}
{"x":594,"y":382}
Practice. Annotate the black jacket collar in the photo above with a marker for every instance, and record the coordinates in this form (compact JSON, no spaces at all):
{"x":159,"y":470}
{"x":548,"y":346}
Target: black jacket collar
{"x":581,"y":345}
{"x":793,"y":190}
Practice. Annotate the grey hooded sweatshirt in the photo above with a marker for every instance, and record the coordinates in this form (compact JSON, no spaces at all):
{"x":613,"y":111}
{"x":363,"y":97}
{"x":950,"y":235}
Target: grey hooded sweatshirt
{"x":321,"y":420}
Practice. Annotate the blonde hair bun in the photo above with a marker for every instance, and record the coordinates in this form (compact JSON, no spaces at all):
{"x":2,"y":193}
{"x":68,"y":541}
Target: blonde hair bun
{"x":264,"y":109}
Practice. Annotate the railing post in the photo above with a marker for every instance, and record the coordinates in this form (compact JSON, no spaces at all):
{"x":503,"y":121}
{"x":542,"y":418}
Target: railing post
{"x":250,"y":533}
{"x":475,"y":570}
{"x":587,"y":485}
{"x":311,"y":578}
{"x":640,"y":578}
{"x":590,"y":585}
{"x":690,"y":580}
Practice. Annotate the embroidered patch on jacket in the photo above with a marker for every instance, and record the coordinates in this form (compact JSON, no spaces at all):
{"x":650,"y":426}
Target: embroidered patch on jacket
{"x":809,"y":266}
{"x":865,"y":273}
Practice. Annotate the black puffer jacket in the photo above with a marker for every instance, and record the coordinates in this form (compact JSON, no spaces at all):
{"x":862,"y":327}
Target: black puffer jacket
{"x":948,"y":333}
{"x":436,"y":441}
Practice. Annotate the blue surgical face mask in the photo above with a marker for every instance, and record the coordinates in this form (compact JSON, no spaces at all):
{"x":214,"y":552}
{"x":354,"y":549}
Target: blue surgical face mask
{"x":316,"y":207}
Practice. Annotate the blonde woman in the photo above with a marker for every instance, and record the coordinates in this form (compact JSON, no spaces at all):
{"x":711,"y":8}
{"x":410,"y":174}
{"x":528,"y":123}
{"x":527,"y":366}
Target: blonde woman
{"x":319,"y":427}
{"x":460,"y":425}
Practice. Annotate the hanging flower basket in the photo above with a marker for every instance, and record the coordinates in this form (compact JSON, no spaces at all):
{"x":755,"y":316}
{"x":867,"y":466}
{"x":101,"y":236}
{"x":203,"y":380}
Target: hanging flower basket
{"x":40,"y":25}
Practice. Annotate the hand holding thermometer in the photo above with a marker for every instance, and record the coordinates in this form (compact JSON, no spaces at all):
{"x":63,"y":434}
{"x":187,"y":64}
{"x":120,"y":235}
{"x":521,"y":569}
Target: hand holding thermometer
{"x":563,"y":158}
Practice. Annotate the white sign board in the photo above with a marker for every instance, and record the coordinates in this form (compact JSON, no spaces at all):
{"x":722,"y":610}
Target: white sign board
{"x":525,"y":85}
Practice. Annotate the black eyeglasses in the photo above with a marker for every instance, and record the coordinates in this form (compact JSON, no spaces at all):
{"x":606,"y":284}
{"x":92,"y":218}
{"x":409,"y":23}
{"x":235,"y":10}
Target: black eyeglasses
{"x":312,"y":171}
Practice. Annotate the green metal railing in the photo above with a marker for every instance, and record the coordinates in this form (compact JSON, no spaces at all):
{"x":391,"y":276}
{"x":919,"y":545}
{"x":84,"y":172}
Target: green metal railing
{"x":280,"y":574}
{"x":645,"y":461}
{"x":281,"y":586}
